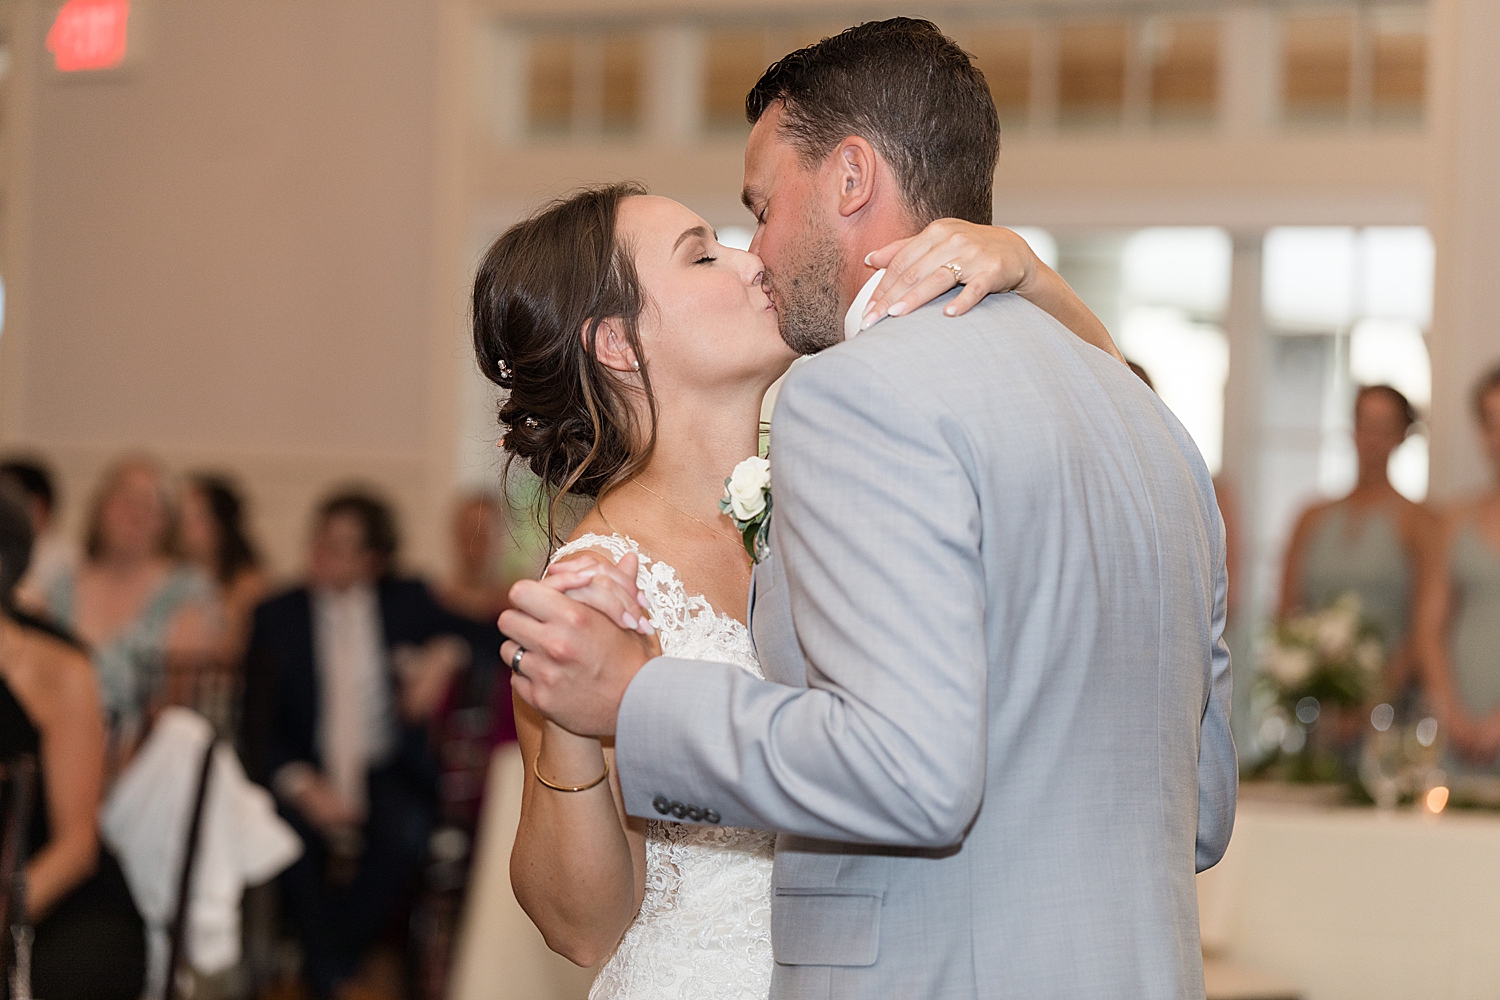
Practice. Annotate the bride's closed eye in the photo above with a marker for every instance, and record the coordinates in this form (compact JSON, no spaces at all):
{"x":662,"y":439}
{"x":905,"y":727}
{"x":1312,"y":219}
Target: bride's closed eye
{"x":705,"y":260}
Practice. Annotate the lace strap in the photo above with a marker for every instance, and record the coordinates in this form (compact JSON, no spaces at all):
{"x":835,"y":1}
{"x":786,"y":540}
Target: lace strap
{"x":618,"y":546}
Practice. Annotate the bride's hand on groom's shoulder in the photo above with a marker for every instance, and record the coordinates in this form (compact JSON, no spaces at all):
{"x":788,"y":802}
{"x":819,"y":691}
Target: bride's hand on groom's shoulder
{"x":917,"y":269}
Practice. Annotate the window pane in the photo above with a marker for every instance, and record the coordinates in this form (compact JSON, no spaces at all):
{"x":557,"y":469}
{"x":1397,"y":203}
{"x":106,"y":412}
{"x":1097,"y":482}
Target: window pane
{"x":1317,"y":54}
{"x":1003,"y":55}
{"x":1399,"y":71}
{"x":551,"y":83}
{"x":1396,"y":272}
{"x":1394,"y":353}
{"x":1183,"y":266}
{"x":622,"y":82}
{"x":1185,"y":71}
{"x":1091,"y":76}
{"x":1309,"y":277}
{"x":1188,"y":363}
{"x":735,"y":60}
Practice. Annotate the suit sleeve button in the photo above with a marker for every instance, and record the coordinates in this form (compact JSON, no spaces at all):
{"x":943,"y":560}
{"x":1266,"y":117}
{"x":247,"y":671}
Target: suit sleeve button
{"x":661,"y":804}
{"x":679,"y":810}
{"x":709,"y":816}
{"x":695,"y":814}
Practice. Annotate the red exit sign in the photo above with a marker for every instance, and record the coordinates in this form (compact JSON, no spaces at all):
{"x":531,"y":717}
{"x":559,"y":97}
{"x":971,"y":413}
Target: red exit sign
{"x":89,"y":35}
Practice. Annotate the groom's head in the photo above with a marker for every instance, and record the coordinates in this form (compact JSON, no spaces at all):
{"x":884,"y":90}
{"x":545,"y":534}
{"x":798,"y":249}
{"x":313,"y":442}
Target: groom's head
{"x":858,"y":140}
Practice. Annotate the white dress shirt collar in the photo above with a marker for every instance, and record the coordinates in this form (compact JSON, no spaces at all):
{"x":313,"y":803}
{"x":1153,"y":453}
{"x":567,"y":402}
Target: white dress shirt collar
{"x":856,"y":314}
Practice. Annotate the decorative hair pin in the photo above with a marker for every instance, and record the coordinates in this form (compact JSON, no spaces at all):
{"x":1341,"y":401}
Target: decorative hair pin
{"x":531,"y":422}
{"x":504,"y":368}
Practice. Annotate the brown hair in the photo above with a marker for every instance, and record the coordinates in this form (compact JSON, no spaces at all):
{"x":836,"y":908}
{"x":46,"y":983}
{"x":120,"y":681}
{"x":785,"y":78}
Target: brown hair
{"x":377,"y":521}
{"x":913,"y":93}
{"x":93,"y":536}
{"x":541,"y":293}
{"x":1396,"y":396}
{"x":1488,"y":382}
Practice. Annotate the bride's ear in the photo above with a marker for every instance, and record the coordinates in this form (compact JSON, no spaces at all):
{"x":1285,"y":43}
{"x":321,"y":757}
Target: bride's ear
{"x":611,"y":345}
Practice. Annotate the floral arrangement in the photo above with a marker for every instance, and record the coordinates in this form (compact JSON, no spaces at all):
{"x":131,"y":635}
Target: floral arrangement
{"x":1333,"y":655}
{"x":747,"y":501}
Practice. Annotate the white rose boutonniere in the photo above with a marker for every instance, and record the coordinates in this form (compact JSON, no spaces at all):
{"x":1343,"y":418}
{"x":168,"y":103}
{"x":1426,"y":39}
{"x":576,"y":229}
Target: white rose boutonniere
{"x":747,"y":501}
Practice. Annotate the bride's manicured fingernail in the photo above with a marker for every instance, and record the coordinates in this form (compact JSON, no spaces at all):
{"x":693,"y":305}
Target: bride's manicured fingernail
{"x":867,"y":258}
{"x":950,"y":311}
{"x":896,"y":310}
{"x":647,"y":628}
{"x":641,"y":600}
{"x":629,"y":621}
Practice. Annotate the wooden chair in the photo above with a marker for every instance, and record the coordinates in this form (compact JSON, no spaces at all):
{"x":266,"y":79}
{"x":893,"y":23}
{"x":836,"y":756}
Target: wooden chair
{"x":18,"y":783}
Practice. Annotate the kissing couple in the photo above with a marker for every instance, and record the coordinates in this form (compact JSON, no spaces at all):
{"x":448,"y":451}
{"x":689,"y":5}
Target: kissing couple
{"x":971,"y":736}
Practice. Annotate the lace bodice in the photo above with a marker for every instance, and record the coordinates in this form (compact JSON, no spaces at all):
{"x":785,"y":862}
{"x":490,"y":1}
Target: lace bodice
{"x":704,"y":927}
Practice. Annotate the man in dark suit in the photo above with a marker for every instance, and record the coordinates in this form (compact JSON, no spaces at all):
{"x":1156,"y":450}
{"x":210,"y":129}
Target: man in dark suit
{"x":339,"y":681}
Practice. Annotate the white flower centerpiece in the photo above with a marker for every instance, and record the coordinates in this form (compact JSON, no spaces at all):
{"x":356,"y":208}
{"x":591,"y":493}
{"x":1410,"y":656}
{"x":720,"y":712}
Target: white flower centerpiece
{"x":747,"y":501}
{"x":1334,"y":655}
{"x":1329,"y":659}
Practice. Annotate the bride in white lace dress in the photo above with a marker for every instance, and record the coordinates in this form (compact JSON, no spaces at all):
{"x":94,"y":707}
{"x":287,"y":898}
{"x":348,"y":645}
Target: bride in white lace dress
{"x":568,"y":308}
{"x":704,"y":926}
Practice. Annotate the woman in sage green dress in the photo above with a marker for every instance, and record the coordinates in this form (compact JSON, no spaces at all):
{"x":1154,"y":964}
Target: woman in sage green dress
{"x":133,"y":602}
{"x":1459,"y":610}
{"x":1371,"y":543}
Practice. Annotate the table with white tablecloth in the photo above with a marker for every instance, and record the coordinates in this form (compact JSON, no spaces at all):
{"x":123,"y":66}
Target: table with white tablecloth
{"x":1350,"y":902}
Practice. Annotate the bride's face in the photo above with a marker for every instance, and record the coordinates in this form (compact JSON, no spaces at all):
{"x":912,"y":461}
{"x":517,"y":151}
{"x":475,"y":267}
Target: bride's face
{"x":708,"y":322}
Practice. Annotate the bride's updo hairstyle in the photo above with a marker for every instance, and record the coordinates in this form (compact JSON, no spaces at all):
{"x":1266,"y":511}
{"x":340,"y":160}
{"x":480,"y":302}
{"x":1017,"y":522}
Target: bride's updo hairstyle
{"x":542,"y":291}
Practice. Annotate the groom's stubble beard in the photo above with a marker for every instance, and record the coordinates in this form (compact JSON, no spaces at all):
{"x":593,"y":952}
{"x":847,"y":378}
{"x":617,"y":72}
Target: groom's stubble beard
{"x":806,"y":290}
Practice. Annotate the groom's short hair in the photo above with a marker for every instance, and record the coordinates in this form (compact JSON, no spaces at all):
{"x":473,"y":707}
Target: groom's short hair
{"x":908,"y":89}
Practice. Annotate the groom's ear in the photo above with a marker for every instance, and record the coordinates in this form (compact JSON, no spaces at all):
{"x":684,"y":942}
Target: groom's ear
{"x":854,"y":164}
{"x":611,"y":345}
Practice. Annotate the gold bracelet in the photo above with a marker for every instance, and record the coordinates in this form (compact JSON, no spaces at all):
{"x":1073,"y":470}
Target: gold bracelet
{"x":566,"y":788}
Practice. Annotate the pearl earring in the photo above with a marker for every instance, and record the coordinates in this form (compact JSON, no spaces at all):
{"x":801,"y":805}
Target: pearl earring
{"x":636,"y":365}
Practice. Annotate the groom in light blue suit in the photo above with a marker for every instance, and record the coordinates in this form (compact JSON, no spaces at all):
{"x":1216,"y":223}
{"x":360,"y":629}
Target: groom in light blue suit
{"x":995,"y":735}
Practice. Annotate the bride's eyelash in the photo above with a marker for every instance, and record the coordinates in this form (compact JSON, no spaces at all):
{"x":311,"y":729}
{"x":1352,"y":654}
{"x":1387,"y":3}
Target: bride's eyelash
{"x":705,"y":260}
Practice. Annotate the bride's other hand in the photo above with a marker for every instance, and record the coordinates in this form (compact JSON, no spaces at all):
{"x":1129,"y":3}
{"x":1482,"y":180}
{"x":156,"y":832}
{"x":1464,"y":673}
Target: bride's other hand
{"x":610,"y":589}
{"x":991,"y":259}
{"x":575,"y":663}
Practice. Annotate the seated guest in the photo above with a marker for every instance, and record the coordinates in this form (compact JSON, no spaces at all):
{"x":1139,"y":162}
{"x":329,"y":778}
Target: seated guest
{"x":131,"y":601}
{"x":1459,"y":611}
{"x":477,"y":589}
{"x":89,"y":940}
{"x":477,"y":713}
{"x":1370,"y":543}
{"x":341,"y":738}
{"x":53,"y":554}
{"x":211,"y":536}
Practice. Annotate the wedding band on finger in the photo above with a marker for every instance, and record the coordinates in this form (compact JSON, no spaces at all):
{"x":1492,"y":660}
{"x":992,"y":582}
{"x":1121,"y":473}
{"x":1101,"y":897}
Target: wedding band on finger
{"x":958,"y":272}
{"x":515,"y":660}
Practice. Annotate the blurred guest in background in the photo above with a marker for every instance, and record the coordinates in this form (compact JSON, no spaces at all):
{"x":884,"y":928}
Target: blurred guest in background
{"x":1371,"y":543}
{"x":1459,"y":610}
{"x":53,"y":554}
{"x":89,"y":939}
{"x":477,"y":589}
{"x":131,"y":601}
{"x":341,"y":676}
{"x":211,"y":535}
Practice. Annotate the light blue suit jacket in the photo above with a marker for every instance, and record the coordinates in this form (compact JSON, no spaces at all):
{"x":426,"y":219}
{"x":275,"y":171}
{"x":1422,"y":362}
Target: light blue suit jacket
{"x":995,"y":734}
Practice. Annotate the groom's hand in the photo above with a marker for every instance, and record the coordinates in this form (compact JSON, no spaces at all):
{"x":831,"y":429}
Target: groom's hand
{"x":577,"y":663}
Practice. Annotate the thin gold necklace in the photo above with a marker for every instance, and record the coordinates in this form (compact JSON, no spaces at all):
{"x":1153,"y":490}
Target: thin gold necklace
{"x":723,"y":534}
